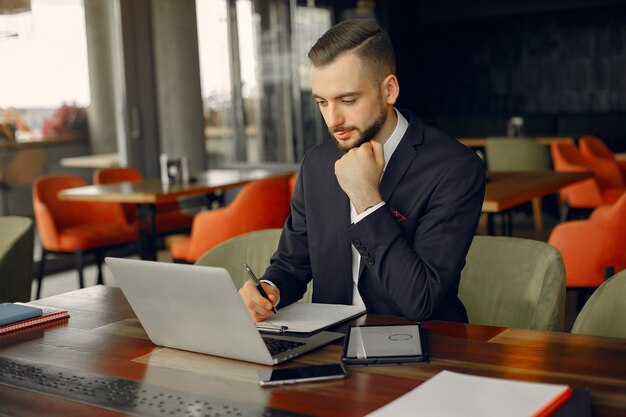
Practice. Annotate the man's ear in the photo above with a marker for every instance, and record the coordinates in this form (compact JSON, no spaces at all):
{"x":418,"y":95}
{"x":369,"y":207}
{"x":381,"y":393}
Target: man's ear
{"x":391,"y":89}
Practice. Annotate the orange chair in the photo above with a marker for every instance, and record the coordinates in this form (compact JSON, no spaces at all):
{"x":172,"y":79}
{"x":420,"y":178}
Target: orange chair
{"x":74,"y":226}
{"x":585,"y":194}
{"x":262,"y":204}
{"x":168,"y":217}
{"x":592,"y":249}
{"x":292,"y":184}
{"x":595,"y":149}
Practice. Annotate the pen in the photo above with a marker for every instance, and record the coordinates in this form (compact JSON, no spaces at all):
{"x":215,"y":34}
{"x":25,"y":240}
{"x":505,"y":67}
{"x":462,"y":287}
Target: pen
{"x":271,"y":329}
{"x":258,"y":285}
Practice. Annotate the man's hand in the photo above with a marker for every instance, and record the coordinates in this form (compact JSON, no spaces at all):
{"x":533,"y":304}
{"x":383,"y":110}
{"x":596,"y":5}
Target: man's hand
{"x":359,"y":172}
{"x":258,"y":306}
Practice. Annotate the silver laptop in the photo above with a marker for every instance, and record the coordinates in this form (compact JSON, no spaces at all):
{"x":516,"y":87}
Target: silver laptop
{"x":198,"y":308}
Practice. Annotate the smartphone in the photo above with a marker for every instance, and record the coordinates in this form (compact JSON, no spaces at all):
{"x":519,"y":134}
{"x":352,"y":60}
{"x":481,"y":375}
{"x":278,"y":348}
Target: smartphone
{"x":269,"y":377}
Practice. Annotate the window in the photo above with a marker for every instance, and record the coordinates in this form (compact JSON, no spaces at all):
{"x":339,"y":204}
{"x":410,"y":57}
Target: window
{"x":43,"y":71}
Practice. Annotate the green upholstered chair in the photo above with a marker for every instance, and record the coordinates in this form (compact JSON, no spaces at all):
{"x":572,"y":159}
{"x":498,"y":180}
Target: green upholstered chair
{"x":17,"y":235}
{"x":604,"y":314}
{"x":519,"y":154}
{"x":254,"y":248}
{"x":516,"y":154}
{"x":513,"y":282}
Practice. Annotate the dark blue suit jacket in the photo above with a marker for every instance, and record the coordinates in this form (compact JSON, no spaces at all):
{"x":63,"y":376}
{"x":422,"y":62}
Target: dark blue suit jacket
{"x":411,"y":260}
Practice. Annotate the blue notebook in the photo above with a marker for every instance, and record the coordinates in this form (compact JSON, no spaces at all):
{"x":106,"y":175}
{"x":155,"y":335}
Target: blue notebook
{"x":11,"y":313}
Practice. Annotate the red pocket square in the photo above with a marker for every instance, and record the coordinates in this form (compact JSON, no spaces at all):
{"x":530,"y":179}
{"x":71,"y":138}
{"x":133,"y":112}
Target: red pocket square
{"x":399,"y":216}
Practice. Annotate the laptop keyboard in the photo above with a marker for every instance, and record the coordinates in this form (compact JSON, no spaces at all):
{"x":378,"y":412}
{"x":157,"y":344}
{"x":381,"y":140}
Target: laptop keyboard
{"x":276,"y":346}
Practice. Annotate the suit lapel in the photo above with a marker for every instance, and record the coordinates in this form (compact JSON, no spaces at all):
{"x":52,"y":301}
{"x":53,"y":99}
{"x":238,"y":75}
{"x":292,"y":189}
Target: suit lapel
{"x":399,"y":163}
{"x":402,"y":157}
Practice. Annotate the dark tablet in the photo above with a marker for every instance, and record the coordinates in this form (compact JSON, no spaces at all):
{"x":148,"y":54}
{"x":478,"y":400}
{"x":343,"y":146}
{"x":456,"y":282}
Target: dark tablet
{"x":384,"y":344}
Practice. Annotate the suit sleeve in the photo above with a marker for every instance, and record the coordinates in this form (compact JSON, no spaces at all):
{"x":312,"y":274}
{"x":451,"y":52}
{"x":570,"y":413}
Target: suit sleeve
{"x":290,"y":266}
{"x":418,"y":261}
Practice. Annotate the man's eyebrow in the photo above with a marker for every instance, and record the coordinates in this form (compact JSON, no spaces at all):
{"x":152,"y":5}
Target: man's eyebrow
{"x":340,"y":96}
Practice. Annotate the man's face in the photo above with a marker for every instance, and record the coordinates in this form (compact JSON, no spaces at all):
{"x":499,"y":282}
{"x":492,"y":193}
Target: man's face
{"x":350,"y":100}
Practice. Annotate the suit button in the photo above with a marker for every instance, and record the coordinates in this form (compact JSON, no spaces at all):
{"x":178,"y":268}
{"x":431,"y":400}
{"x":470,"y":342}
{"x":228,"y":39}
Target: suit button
{"x":370,"y":261}
{"x":365,"y":255}
{"x":356,"y":243}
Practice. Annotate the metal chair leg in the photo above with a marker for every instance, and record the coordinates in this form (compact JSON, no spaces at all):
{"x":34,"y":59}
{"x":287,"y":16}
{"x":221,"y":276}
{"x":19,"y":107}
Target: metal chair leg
{"x":40,"y":272}
{"x":99,"y":257}
{"x":79,"y":267}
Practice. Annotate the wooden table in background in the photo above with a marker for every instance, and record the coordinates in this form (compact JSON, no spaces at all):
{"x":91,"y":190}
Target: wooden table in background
{"x":104,"y":160}
{"x":103,"y":337}
{"x":148,"y":193}
{"x":506,"y":190}
{"x":481,"y":142}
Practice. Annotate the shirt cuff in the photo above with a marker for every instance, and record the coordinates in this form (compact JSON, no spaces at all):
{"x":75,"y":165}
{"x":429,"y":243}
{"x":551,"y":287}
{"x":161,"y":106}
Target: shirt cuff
{"x":367,"y":212}
{"x":268,"y":282}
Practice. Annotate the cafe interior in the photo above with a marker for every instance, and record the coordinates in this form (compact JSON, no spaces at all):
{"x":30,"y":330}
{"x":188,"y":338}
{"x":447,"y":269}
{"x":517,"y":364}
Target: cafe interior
{"x":173,"y":131}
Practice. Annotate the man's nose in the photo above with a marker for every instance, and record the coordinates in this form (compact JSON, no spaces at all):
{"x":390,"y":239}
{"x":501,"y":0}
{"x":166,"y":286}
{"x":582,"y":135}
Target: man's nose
{"x":334,"y":118}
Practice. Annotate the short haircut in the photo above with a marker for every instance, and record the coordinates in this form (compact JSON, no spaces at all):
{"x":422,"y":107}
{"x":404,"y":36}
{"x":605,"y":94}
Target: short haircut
{"x":363,"y":37}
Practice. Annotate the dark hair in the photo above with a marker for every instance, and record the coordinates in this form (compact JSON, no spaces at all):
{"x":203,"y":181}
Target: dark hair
{"x":363,"y":37}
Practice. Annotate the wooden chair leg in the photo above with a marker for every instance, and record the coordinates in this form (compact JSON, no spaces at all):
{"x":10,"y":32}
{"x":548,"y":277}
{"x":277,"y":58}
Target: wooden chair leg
{"x":41,"y":272}
{"x":537,"y":215}
{"x":79,"y":267}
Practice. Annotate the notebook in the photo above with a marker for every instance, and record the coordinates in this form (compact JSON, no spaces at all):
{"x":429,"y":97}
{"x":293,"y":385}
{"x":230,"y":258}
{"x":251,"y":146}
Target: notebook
{"x":11,"y":313}
{"x":49,"y":315}
{"x":198,"y":308}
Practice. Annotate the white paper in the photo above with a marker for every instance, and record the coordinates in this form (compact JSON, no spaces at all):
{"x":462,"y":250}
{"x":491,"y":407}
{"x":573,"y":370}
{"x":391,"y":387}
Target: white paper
{"x":311,"y":317}
{"x":450,"y":394}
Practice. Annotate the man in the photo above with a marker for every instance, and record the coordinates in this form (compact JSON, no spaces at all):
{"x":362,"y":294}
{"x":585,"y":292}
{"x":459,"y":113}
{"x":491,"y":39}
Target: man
{"x":385,"y":215}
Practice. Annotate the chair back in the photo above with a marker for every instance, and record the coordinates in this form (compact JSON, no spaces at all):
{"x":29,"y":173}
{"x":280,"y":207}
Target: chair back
{"x":53,"y":214}
{"x":590,"y":246}
{"x":584,"y":194}
{"x":254,"y":248}
{"x":116,"y":174}
{"x":292,"y":184}
{"x":604,"y":314}
{"x":513,"y":282}
{"x":594,"y":146}
{"x":16,"y":258}
{"x":516,"y":154}
{"x":119,"y":174}
{"x":261,"y":204}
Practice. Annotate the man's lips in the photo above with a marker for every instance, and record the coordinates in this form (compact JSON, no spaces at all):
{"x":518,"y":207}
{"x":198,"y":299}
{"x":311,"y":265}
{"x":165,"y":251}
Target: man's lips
{"x":344,"y":134}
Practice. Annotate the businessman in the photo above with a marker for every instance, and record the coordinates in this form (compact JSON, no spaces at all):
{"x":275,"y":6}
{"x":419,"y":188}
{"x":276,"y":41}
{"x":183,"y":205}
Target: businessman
{"x":383,"y":215}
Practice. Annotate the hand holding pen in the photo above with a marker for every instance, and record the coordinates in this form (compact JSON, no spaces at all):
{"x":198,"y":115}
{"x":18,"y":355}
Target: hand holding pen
{"x":258,"y":285}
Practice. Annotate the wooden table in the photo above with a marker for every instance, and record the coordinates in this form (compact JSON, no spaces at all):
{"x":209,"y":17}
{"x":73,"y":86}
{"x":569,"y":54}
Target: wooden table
{"x":506,"y":190}
{"x":105,"y":160}
{"x":147,"y":194}
{"x":547,"y":140}
{"x":104,"y":339}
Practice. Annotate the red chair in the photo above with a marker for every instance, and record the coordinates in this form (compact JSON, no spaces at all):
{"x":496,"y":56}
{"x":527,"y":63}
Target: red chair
{"x":292,"y":184}
{"x":168,"y":217}
{"x":76,"y":227}
{"x":593,"y":148}
{"x":262,"y":204}
{"x":592,"y":249}
{"x":587,"y":194}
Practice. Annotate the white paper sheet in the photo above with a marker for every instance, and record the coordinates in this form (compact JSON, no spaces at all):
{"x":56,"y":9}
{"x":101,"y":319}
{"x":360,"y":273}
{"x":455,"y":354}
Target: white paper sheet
{"x":451,"y":394}
{"x":311,"y":317}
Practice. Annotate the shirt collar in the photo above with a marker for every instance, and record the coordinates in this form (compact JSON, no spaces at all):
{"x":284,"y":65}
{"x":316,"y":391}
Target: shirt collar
{"x":392,"y":143}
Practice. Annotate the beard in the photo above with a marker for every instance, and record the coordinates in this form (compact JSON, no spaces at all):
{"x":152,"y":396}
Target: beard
{"x":366,"y":135}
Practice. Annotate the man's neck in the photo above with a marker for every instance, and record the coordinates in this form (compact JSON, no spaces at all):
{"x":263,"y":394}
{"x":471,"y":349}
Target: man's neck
{"x":388,"y":127}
